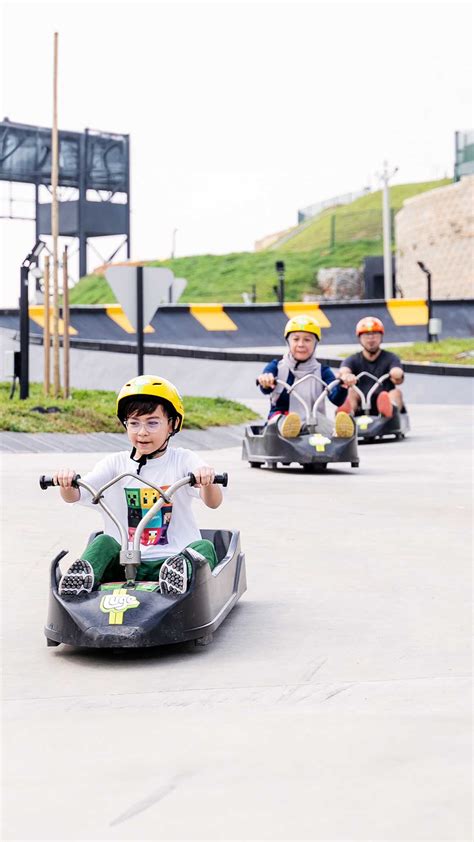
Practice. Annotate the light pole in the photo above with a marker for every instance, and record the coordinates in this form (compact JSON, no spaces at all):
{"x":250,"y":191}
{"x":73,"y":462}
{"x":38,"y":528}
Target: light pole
{"x":280,"y":289}
{"x":173,"y":244}
{"x":385,"y":176}
{"x":30,"y":260}
{"x":434,"y":325}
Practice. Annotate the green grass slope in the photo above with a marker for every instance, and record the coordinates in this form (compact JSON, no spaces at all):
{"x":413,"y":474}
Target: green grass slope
{"x":223,"y":278}
{"x":359,"y":219}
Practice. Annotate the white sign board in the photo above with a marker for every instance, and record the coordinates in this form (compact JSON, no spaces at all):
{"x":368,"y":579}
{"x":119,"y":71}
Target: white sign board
{"x":157,"y":283}
{"x":177,"y":289}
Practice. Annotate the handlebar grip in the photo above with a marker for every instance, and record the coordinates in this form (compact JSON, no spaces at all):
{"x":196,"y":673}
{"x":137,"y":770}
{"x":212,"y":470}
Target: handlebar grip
{"x":219,"y":479}
{"x":47,"y":482}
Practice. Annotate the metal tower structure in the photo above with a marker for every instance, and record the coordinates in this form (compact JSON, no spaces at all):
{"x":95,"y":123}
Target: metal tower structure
{"x":95,"y":164}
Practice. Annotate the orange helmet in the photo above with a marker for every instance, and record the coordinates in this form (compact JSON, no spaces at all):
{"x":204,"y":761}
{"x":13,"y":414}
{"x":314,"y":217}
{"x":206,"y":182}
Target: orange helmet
{"x":370,"y":324}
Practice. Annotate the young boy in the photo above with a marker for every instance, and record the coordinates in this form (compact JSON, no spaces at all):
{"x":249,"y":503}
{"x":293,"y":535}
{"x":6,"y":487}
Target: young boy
{"x":302,"y":334}
{"x":372,"y":358}
{"x":151,"y":410}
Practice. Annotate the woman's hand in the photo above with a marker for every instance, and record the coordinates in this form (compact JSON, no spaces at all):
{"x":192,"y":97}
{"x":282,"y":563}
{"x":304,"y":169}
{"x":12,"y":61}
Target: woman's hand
{"x":266,"y":381}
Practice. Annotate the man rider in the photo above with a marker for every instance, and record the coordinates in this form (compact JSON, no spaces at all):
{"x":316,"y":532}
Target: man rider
{"x":376,"y":361}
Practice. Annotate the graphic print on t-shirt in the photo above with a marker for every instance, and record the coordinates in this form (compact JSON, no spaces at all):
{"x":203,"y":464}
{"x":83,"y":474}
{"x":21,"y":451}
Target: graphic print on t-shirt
{"x":139,"y":501}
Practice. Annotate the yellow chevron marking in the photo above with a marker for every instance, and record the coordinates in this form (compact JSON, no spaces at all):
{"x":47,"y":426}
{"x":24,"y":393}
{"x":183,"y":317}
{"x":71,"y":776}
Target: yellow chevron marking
{"x":115,"y":312}
{"x":37,"y":315}
{"x":312,"y":308}
{"x":408,"y":311}
{"x":212,"y":316}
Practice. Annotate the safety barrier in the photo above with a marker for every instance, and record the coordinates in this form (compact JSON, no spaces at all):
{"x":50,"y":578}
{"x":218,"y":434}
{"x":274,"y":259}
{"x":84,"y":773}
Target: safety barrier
{"x":257,"y":325}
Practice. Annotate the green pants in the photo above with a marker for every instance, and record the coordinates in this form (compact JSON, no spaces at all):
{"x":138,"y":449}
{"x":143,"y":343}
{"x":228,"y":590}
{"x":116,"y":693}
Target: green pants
{"x":103,"y":556}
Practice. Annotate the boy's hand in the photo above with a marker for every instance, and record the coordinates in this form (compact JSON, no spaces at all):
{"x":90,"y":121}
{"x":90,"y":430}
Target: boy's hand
{"x":64,"y":477}
{"x":267,"y":381}
{"x":396,"y":375}
{"x":211,"y":494}
{"x":204,"y":476}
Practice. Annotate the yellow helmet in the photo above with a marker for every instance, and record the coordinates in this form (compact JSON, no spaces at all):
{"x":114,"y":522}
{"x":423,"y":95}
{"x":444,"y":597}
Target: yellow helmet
{"x":150,"y":386}
{"x":303,"y":322}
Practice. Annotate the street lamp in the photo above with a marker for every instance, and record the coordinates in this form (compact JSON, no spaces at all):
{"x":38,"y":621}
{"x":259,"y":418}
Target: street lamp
{"x":385,"y":176}
{"x":29,"y":262}
{"x":280,"y":289}
{"x":434,"y":325}
{"x":173,"y":245}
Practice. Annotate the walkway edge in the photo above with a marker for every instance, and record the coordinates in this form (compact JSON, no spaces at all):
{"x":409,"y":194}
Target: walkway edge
{"x":241,"y":355}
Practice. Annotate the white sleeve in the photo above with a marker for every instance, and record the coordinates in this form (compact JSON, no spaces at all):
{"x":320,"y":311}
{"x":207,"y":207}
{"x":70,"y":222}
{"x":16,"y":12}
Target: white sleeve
{"x":101,"y":473}
{"x":190,"y":463}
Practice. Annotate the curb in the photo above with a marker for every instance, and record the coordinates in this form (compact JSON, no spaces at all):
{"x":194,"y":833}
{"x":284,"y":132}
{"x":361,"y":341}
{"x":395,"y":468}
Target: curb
{"x":442,"y":369}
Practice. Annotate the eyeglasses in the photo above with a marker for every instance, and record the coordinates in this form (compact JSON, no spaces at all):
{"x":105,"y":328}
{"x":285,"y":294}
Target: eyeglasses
{"x":151,"y":426}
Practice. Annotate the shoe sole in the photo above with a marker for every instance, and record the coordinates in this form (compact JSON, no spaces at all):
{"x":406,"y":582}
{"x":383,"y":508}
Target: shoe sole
{"x":344,"y":426}
{"x":384,"y":405}
{"x":78,"y":579}
{"x":290,"y":427}
{"x":173,"y":576}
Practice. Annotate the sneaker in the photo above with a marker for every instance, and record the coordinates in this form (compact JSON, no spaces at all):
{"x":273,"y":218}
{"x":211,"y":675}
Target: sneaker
{"x":290,"y":426}
{"x":196,"y":559}
{"x":78,"y":580}
{"x":345,"y":407}
{"x":384,"y":405}
{"x":344,"y":426}
{"x":173,"y":576}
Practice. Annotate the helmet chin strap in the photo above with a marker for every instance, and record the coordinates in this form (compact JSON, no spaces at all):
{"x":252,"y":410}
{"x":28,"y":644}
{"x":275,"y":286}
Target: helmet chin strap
{"x":145,"y":457}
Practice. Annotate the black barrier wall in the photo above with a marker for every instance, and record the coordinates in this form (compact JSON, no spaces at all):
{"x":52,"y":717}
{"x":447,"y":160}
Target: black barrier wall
{"x":259,"y":325}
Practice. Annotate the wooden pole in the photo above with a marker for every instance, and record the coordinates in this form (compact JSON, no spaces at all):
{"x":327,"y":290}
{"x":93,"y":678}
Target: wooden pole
{"x":54,"y":221}
{"x":46,"y":332}
{"x":66,"y":326}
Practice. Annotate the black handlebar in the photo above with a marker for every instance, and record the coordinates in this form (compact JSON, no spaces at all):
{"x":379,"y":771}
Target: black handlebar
{"x":47,"y":482}
{"x":219,"y":479}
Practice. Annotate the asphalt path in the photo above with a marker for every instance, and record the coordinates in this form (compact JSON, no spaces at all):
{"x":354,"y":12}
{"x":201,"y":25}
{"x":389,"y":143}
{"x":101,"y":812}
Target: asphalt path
{"x":212,"y":378}
{"x":334,"y":701}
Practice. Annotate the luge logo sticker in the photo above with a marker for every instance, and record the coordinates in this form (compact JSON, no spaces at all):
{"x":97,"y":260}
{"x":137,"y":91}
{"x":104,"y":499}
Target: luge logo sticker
{"x":363,"y":421}
{"x":115,"y":604}
{"x":319,"y":442}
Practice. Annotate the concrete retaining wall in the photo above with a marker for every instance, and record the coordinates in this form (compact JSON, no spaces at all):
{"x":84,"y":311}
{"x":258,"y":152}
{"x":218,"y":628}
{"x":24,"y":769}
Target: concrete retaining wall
{"x":437,"y":228}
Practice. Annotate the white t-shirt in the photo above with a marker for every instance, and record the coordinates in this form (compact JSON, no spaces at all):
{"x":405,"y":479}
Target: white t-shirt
{"x":174,"y":527}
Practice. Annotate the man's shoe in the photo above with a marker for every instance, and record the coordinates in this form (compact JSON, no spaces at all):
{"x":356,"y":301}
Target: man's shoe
{"x":344,"y":426}
{"x":384,"y":405}
{"x":290,"y":426}
{"x":78,"y":580}
{"x":173,"y":576}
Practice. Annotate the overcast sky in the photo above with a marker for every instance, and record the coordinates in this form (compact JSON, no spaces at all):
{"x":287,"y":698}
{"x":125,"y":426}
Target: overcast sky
{"x":240,"y":113}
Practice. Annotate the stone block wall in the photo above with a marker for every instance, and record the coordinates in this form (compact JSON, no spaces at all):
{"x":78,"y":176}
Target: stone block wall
{"x":437,"y":228}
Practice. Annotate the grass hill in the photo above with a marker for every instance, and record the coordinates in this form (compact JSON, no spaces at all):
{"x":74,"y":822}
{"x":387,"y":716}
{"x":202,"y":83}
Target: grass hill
{"x":354,"y":234}
{"x":360,"y":219}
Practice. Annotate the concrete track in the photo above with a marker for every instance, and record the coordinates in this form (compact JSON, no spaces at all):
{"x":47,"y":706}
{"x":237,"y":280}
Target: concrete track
{"x":334,"y":702}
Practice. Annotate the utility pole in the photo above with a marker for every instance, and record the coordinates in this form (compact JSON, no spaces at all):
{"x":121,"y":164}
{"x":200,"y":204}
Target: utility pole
{"x":55,"y":220}
{"x":385,"y":176}
{"x":173,"y":244}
